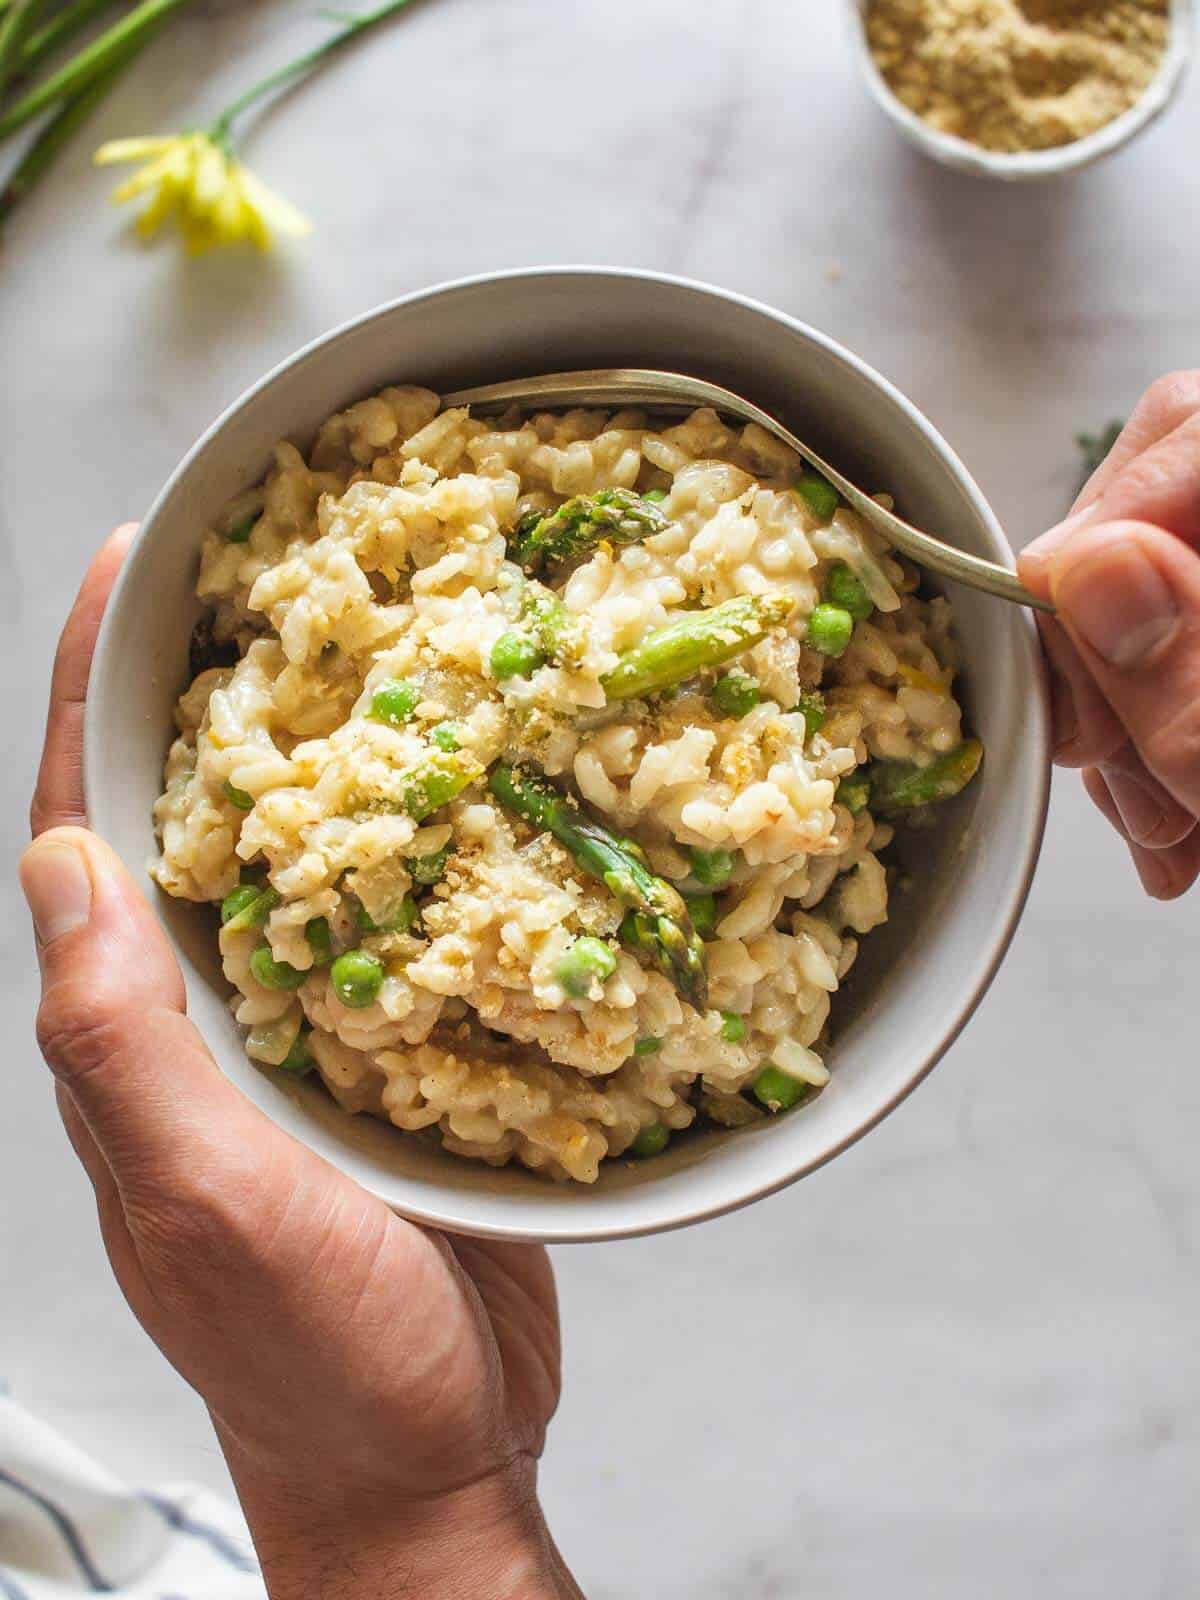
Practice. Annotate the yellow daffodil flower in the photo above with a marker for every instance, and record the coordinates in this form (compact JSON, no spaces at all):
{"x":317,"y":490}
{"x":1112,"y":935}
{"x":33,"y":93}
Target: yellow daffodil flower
{"x":195,"y":181}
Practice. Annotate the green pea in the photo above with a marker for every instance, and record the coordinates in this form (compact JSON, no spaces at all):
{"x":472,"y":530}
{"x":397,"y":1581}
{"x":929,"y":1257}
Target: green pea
{"x":712,"y":868}
{"x":446,"y":736}
{"x":647,"y":1047}
{"x":702,"y":908}
{"x":238,"y":899}
{"x":733,"y":1027}
{"x":320,"y":941}
{"x":818,"y":494}
{"x":844,"y":588}
{"x":249,"y":911}
{"x":854,"y":793}
{"x":777,"y":1090}
{"x":240,"y":532}
{"x":585,"y":960}
{"x":274,"y":974}
{"x":811,"y":707}
{"x":829,"y":630}
{"x":430,"y":869}
{"x":515,"y":656}
{"x":237,"y":797}
{"x":406,"y":915}
{"x":652,"y":1140}
{"x":736,"y":694}
{"x":657,"y":496}
{"x":357,"y":978}
{"x":298,"y":1061}
{"x":394,"y":702}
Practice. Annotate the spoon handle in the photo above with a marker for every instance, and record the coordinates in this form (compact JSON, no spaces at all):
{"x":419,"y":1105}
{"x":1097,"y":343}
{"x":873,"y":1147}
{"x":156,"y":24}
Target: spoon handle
{"x":641,"y":387}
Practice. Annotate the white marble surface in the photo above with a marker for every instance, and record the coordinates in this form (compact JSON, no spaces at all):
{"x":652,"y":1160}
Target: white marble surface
{"x":963,"y":1359}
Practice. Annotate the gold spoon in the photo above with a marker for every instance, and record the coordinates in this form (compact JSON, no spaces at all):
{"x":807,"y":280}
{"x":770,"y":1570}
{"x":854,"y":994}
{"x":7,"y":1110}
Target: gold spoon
{"x":633,"y":386}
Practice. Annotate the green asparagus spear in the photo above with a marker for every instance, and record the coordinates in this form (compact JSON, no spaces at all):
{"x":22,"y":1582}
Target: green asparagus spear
{"x":901,"y":786}
{"x":697,"y":640}
{"x":557,"y":632}
{"x":658,"y":925}
{"x":432,"y":782}
{"x":544,"y":539}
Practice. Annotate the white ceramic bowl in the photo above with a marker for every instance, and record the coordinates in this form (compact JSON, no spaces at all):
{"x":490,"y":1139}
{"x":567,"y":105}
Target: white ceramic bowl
{"x":966,"y":157}
{"x":919,"y":978}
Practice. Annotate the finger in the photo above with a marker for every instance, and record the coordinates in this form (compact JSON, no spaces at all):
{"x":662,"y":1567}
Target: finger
{"x":1129,"y":597}
{"x":1161,"y":485}
{"x":58,"y":797}
{"x":1165,"y":488}
{"x":1168,"y":402}
{"x":1166,"y":874}
{"x":85,"y":1147}
{"x":114,"y":1230}
{"x":1101,"y":797}
{"x":1086,"y":729}
{"x":111,"y":1022}
{"x":1150,"y":817}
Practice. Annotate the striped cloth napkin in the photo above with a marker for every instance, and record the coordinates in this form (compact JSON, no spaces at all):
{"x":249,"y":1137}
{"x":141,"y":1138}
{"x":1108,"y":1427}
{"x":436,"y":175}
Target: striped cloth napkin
{"x":68,"y":1527}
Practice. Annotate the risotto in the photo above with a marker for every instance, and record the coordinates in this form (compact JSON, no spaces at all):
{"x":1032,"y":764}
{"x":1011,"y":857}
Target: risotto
{"x":542,"y":767}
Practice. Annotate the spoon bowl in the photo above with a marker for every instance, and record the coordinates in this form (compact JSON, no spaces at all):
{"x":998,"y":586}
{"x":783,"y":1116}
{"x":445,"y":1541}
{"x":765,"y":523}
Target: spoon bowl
{"x":662,"y":391}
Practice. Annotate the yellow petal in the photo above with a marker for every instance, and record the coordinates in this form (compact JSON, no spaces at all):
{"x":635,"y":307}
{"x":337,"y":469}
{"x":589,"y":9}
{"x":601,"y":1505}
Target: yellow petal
{"x":172,"y":167}
{"x":253,"y":228}
{"x":275,"y":211}
{"x":198,"y":237}
{"x":227,"y":213}
{"x":159,"y":209}
{"x":131,"y":149}
{"x":211,"y":177}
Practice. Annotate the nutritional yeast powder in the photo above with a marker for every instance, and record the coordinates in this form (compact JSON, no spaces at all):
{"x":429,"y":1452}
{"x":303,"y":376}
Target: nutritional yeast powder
{"x":1018,"y":74}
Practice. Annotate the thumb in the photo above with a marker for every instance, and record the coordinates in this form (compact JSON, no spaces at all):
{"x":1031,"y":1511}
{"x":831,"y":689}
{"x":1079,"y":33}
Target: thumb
{"x":1129,"y":596}
{"x":111,"y":1023}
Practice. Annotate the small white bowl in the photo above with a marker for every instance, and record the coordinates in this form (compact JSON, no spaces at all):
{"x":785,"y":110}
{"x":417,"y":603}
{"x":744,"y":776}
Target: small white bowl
{"x":1015,"y":168}
{"x":919,"y":978}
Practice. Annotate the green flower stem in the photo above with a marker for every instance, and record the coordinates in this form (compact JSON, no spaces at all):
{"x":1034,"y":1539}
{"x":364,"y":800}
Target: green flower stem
{"x":15,"y":27}
{"x":57,"y":133}
{"x":220,"y":129}
{"x":62,"y":26}
{"x":90,"y":63}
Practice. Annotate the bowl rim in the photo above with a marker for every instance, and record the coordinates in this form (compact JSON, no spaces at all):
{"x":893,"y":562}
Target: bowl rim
{"x":454,"y":1210}
{"x":1017,"y":166}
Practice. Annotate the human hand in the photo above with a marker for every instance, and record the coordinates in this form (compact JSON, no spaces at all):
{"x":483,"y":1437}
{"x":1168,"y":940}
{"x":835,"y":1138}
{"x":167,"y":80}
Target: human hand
{"x":1124,"y":651}
{"x":381,"y":1391}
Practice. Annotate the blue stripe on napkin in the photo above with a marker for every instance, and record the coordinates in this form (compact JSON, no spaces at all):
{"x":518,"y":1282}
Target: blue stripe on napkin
{"x":68,"y":1530}
{"x":222,"y":1544}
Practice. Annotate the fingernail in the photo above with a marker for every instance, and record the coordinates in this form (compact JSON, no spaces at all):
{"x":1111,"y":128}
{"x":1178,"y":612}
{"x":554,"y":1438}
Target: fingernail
{"x":1041,"y":551}
{"x":1155,"y":875}
{"x":1066,"y":717}
{"x":1120,"y":603}
{"x":1141,"y":811}
{"x":57,"y":888}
